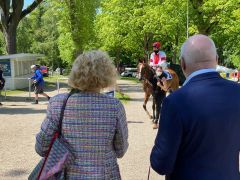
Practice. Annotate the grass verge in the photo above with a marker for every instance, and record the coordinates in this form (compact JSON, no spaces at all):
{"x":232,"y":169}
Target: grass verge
{"x":122,"y":97}
{"x":13,"y":92}
{"x":54,"y":78}
{"x":133,"y":79}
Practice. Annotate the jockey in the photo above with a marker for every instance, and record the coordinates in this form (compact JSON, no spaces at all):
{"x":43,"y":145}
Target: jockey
{"x":157,"y":56}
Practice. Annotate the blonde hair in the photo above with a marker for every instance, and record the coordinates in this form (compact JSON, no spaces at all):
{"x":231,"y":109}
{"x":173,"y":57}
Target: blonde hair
{"x":92,"y":71}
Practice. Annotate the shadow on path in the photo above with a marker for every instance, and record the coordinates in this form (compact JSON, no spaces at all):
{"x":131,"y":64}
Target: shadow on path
{"x":24,"y":110}
{"x":135,"y":122}
{"x":136,"y":88}
{"x":22,"y":99}
{"x":16,"y":172}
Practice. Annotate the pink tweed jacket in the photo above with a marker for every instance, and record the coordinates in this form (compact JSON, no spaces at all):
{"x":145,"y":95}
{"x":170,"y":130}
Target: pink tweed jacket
{"x":95,"y":126}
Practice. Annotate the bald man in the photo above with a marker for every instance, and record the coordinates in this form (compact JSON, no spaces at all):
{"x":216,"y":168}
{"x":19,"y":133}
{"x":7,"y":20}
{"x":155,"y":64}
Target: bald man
{"x":199,"y":134}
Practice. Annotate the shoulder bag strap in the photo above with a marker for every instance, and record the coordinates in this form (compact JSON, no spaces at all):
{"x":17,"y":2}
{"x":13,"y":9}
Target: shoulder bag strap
{"x":63,"y":108}
{"x":57,"y":134}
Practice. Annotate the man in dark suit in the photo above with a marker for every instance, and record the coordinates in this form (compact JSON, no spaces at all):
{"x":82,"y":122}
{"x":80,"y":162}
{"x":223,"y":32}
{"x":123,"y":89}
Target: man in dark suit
{"x":199,"y":134}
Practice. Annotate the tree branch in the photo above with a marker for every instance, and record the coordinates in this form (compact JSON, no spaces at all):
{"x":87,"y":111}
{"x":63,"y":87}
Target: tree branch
{"x":4,"y":11}
{"x":211,"y":26}
{"x":14,"y":17}
{"x":30,"y":8}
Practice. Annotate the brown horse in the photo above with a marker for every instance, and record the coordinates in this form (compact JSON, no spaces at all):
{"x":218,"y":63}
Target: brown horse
{"x":171,"y":84}
{"x":146,"y":73}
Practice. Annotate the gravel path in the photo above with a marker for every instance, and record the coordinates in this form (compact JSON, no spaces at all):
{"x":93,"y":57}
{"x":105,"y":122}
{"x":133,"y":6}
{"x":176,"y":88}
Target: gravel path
{"x":20,"y":121}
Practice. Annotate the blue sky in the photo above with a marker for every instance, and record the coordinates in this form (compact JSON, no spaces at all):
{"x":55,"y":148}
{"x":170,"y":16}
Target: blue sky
{"x":27,"y":2}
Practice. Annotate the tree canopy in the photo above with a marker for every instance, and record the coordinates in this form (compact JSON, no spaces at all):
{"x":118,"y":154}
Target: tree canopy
{"x":126,"y":29}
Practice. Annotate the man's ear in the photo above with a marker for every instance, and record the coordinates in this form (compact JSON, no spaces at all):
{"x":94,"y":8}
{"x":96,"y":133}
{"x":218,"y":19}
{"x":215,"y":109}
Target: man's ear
{"x":217,"y":58}
{"x":183,"y":65}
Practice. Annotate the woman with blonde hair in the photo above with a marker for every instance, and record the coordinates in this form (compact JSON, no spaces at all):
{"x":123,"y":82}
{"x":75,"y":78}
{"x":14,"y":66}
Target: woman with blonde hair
{"x":93,"y":124}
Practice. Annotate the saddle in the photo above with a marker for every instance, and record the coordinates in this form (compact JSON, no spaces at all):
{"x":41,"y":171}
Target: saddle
{"x":169,"y":75}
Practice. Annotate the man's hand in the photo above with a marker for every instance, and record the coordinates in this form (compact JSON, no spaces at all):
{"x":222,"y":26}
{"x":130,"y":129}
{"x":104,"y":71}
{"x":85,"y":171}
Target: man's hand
{"x":35,"y":81}
{"x":163,"y":79}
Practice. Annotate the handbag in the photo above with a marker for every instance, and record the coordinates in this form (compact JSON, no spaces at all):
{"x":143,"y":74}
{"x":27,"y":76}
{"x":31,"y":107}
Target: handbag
{"x":58,"y":157}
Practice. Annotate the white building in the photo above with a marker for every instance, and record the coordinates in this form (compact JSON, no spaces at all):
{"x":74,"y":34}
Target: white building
{"x":16,"y":69}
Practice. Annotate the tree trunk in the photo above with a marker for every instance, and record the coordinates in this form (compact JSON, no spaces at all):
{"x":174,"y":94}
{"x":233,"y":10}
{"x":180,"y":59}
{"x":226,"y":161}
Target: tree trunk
{"x":203,"y":30}
{"x":10,"y":15}
{"x":11,"y":40}
{"x":118,"y":57}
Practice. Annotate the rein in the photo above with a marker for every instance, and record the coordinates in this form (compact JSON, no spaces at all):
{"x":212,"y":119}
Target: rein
{"x":148,"y":82}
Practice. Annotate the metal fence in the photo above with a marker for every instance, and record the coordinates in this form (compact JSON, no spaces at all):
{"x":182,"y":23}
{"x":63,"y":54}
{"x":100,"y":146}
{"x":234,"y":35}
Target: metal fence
{"x":28,"y":89}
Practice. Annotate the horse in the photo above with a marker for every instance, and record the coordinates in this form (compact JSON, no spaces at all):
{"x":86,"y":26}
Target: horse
{"x":146,"y":73}
{"x":173,"y":83}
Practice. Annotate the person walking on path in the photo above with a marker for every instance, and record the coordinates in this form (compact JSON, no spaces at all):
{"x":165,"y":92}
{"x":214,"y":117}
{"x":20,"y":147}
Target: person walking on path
{"x":94,"y":124}
{"x":38,"y":83}
{"x":199,"y":135}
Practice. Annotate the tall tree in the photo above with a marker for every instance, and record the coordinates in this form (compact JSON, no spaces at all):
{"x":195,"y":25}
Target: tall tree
{"x":120,"y":26}
{"x":207,"y":14}
{"x":11,"y":12}
{"x":76,"y":26}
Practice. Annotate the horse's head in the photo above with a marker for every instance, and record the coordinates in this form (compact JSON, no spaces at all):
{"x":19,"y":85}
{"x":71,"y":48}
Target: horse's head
{"x":146,"y":72}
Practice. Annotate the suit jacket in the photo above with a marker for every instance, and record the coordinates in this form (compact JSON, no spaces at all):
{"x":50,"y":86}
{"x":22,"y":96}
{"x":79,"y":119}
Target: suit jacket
{"x":95,"y":126}
{"x":199,"y":134}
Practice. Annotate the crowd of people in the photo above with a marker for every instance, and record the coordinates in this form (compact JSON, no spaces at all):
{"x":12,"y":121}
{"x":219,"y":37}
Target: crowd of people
{"x":198,"y":136}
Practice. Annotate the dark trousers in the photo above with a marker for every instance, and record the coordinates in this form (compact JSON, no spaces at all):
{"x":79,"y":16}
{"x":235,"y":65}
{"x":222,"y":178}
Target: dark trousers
{"x":159,"y":96}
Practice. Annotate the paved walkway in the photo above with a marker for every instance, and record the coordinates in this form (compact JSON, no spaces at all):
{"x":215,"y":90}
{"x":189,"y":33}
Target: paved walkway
{"x":20,"y":121}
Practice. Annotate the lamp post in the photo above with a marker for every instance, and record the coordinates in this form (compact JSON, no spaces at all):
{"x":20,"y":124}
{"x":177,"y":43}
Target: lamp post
{"x":187,"y":19}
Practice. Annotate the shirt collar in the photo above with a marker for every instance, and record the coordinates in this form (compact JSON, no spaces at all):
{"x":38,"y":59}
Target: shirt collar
{"x":195,"y":73}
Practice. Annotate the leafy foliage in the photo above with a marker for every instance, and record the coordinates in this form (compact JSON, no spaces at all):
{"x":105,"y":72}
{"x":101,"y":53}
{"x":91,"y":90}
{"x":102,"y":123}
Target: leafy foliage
{"x":126,"y":29}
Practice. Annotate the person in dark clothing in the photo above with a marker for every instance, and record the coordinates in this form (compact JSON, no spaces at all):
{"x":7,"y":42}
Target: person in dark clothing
{"x":198,"y":138}
{"x":158,"y":93}
{"x":2,"y":81}
{"x":38,"y":83}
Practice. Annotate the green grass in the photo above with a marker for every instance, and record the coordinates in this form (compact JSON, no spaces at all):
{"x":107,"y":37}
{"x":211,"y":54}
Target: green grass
{"x":54,"y":78}
{"x":14,"y":92}
{"x":123,"y":98}
{"x":133,"y":79}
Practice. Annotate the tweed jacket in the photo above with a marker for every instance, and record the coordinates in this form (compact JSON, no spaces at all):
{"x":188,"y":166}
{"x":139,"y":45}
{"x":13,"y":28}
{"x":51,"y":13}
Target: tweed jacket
{"x":95,"y":126}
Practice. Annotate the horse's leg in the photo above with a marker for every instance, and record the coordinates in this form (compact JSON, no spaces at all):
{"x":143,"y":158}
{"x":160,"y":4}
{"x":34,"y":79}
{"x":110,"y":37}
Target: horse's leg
{"x":146,"y":98}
